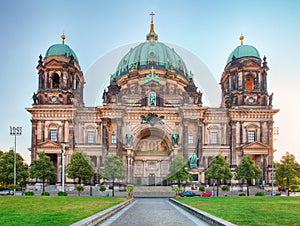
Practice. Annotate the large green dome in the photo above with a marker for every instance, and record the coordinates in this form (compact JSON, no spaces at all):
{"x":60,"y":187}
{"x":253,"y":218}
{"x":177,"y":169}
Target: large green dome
{"x":151,"y":54}
{"x":243,"y":51}
{"x":60,"y":50}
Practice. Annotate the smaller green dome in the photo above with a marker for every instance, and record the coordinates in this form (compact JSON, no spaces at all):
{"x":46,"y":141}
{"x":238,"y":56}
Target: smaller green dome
{"x":243,"y":51}
{"x":60,"y":50}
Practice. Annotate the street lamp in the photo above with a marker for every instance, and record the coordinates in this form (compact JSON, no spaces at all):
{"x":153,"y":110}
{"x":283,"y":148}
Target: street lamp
{"x":15,"y":131}
{"x":63,"y":168}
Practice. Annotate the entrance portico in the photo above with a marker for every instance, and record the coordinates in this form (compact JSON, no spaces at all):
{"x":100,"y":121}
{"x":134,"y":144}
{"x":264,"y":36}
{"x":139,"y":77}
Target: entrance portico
{"x":149,"y":156}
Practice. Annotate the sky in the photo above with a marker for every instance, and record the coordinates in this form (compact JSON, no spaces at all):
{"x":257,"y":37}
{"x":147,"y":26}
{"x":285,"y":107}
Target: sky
{"x":208,"y":29}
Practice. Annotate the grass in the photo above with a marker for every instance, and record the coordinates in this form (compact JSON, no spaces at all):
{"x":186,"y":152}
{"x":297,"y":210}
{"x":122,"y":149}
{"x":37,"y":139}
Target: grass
{"x":47,"y":210}
{"x":252,"y":210}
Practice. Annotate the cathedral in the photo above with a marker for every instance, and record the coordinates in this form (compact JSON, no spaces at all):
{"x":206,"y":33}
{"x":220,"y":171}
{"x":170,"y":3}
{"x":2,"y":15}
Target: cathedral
{"x":152,"y":111}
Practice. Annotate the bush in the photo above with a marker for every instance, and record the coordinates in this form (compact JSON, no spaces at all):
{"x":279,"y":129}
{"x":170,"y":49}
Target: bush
{"x":225,"y":188}
{"x":260,"y":193}
{"x":177,"y":190}
{"x":201,"y":188}
{"x":102,"y":188}
{"x":242,"y":194}
{"x":79,"y":188}
{"x":2,"y":188}
{"x":129,"y":190}
{"x":28,"y":193}
{"x":45,"y":193}
{"x":62,"y":193}
{"x":11,"y":187}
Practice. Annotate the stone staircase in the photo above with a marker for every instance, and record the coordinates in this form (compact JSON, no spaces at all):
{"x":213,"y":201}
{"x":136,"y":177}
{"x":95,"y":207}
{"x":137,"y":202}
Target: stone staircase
{"x":153,"y":191}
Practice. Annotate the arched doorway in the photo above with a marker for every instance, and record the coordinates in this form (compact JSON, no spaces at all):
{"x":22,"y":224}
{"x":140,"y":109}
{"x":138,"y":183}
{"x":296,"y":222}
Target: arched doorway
{"x":152,"y":149}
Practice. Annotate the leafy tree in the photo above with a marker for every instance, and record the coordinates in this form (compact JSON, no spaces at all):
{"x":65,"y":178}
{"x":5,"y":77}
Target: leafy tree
{"x":80,"y":167}
{"x":219,"y":170}
{"x":7,"y":168}
{"x":42,"y":168}
{"x":248,"y":171}
{"x":113,"y":169}
{"x":178,"y":170}
{"x":287,"y":171}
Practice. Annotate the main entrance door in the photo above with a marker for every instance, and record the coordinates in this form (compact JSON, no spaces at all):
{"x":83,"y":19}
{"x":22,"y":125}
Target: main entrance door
{"x":151,"y":179}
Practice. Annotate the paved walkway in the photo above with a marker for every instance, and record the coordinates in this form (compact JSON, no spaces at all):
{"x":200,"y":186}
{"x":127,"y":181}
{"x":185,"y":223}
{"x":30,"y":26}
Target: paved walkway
{"x":152,"y":211}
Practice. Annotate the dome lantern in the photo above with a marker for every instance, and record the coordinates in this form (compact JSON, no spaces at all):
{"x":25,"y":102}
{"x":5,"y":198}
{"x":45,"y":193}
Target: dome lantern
{"x":152,"y":36}
{"x":61,"y":49}
{"x":243,"y":51}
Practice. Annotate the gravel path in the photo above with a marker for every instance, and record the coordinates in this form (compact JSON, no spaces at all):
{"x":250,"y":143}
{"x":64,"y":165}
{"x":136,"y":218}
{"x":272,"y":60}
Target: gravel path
{"x":152,"y":211}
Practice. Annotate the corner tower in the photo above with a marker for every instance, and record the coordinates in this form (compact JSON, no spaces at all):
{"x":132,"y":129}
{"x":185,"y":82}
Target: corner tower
{"x":60,"y":79}
{"x":249,"y":108}
{"x":244,"y":80}
{"x":56,"y":103}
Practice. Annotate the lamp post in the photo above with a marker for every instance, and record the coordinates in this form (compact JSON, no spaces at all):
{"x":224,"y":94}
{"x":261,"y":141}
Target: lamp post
{"x":63,"y":168}
{"x":15,"y":131}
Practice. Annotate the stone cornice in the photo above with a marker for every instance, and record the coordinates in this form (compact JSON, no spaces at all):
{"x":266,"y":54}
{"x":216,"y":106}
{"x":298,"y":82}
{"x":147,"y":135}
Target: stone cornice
{"x":252,"y":113}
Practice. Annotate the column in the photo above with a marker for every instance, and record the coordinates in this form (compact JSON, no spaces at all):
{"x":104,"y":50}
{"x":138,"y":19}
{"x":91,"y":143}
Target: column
{"x":129,"y":163}
{"x":33,"y":139}
{"x":233,"y":144}
{"x":105,"y":145}
{"x":199,"y":143}
{"x":119,"y":138}
{"x":185,"y":139}
{"x":66,"y":132}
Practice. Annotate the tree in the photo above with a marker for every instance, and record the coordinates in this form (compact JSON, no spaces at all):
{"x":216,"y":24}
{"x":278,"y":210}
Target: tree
{"x":248,"y":171}
{"x":42,"y":168}
{"x":219,"y":170}
{"x":287,"y":171}
{"x":113,"y":169}
{"x":178,"y":170}
{"x":7,"y":168}
{"x":80,"y":167}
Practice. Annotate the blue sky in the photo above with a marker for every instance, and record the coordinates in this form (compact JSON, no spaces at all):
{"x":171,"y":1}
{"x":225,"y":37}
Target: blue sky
{"x":209,"y":29}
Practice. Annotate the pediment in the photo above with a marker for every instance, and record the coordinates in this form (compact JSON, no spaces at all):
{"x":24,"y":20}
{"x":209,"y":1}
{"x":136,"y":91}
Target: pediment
{"x":53,"y":62}
{"x":251,"y":63}
{"x":152,"y":83}
{"x":255,"y":148}
{"x":49,"y":144}
{"x":255,"y":145}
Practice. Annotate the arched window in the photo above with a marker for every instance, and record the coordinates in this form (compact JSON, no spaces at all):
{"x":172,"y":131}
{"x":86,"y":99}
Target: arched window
{"x":152,"y":99}
{"x":249,"y":82}
{"x":55,"y":81}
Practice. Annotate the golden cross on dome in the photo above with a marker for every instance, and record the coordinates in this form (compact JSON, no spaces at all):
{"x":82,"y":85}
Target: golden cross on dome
{"x":152,"y":14}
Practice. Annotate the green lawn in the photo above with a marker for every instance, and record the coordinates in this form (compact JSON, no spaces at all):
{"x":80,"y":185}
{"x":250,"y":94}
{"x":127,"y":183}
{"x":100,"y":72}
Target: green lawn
{"x":252,"y":210}
{"x":57,"y":210}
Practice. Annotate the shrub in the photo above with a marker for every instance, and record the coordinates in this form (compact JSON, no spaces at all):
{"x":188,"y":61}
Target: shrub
{"x":102,"y":188}
{"x":242,"y":194}
{"x":62,"y":193}
{"x":177,"y":190}
{"x":260,"y":193}
{"x":225,"y":188}
{"x":79,"y":188}
{"x":11,"y":187}
{"x":129,"y":190}
{"x":201,"y":188}
{"x":2,"y":187}
{"x":45,"y":193}
{"x":294,"y":188}
{"x":28,"y":193}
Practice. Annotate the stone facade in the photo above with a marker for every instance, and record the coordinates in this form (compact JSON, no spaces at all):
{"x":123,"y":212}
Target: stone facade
{"x":151,"y":113}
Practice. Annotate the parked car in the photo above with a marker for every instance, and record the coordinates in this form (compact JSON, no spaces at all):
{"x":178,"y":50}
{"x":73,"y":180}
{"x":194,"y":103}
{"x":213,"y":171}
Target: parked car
{"x":206,"y":193}
{"x":6,"y":192}
{"x":187,"y":194}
